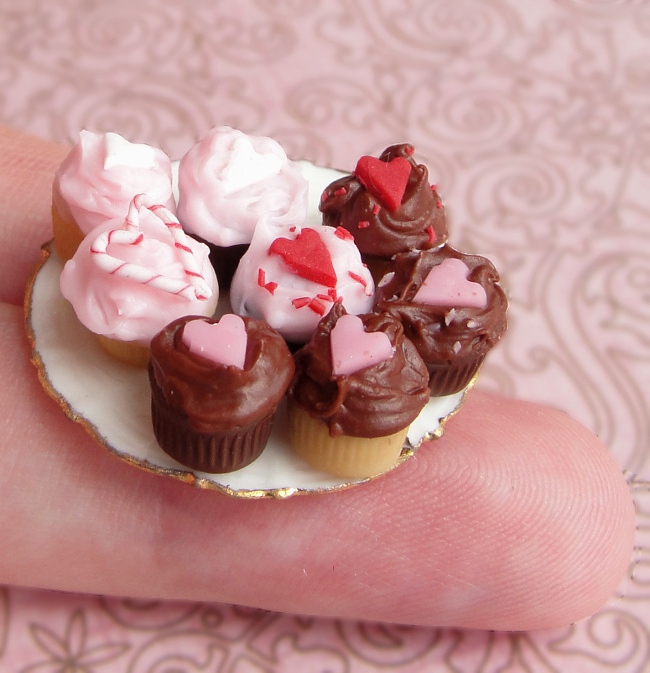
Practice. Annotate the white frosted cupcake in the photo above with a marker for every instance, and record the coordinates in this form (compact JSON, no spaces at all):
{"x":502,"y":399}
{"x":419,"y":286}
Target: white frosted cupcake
{"x":228,"y":183}
{"x":292,"y":280}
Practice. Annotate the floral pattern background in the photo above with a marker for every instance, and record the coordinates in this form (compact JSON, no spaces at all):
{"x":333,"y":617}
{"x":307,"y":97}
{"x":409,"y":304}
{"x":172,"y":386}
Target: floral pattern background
{"x":534,"y":119}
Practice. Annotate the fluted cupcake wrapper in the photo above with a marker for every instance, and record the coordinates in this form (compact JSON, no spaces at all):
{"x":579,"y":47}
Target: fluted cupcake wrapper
{"x":217,"y":452}
{"x":447,"y":379}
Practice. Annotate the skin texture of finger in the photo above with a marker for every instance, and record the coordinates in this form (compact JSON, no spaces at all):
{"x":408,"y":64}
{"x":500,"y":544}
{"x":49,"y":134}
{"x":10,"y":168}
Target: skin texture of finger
{"x":518,"y":518}
{"x":27,"y":166}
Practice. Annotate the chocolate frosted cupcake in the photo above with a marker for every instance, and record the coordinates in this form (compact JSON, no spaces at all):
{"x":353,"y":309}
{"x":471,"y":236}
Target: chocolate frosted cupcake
{"x":452,"y":308}
{"x":215,"y":388}
{"x":388,"y":205}
{"x":359,"y":384}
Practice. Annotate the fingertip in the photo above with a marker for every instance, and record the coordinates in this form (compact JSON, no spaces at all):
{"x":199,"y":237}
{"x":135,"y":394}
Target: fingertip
{"x":560,"y":502}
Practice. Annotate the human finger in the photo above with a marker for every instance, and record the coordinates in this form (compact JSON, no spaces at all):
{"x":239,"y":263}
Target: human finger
{"x":518,"y":518}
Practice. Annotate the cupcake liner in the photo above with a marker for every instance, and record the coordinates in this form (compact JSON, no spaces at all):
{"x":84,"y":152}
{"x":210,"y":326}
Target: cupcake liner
{"x":67,"y":235}
{"x":224,"y":260}
{"x":217,"y":452}
{"x":449,"y":378}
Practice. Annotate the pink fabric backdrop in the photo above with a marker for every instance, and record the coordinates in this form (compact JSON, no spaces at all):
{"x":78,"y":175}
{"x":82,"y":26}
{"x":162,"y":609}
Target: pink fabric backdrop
{"x":534,"y":119}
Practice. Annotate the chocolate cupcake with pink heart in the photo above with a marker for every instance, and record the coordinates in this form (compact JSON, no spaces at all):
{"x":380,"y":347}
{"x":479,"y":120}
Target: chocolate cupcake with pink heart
{"x":452,"y":308}
{"x":359,"y":384}
{"x":388,"y":205}
{"x":215,"y":388}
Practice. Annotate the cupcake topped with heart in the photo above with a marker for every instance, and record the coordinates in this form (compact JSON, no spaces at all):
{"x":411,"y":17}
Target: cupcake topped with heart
{"x":292,"y":279}
{"x":216,"y":385}
{"x":452,"y":308}
{"x":358,"y":386}
{"x":130,"y":277}
{"x":388,"y":205}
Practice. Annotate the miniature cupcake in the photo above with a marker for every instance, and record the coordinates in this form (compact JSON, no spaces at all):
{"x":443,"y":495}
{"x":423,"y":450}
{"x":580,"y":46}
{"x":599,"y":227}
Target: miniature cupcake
{"x":215,"y":389}
{"x":98,"y":180}
{"x":452,"y":308}
{"x":388,"y":205}
{"x":227,"y":184}
{"x":292,"y":280}
{"x":359,"y":384}
{"x":129,"y":278}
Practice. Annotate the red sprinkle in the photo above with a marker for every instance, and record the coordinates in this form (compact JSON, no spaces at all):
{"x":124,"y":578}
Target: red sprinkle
{"x":325,"y":297}
{"x":271,"y":286}
{"x":358,"y":278}
{"x":332,"y":294}
{"x":299,"y":302}
{"x":434,"y":187}
{"x":340,"y":191}
{"x":375,"y":209}
{"x":179,"y":246}
{"x":363,"y":224}
{"x":432,"y":234}
{"x":439,"y":204}
{"x":261,"y":277}
{"x":343,"y":234}
{"x":292,"y":229}
{"x":409,"y":149}
{"x":317,"y":306}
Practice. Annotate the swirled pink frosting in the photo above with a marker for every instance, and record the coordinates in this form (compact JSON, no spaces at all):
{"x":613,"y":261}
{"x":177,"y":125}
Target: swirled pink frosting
{"x":128,"y":282}
{"x":230,"y":181}
{"x":101,"y":175}
{"x":266,"y":287}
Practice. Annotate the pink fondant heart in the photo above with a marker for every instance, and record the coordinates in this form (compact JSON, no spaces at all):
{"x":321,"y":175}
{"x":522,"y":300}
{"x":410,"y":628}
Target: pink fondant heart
{"x":447,"y":286}
{"x":354,"y":349}
{"x":223,"y":342}
{"x":307,"y":256}
{"x":385,"y":180}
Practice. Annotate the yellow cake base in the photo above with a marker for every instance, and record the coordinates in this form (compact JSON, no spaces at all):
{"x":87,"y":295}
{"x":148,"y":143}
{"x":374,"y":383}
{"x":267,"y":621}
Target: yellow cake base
{"x":128,"y":352}
{"x":67,"y":235}
{"x":342,"y":456}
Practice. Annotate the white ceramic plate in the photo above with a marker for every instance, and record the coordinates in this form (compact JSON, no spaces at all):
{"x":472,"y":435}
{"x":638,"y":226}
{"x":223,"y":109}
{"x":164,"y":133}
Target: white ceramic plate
{"x":112,"y":400}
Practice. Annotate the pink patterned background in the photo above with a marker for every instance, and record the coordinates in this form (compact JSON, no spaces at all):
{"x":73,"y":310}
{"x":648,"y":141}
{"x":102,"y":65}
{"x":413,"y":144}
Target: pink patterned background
{"x":534,"y":119}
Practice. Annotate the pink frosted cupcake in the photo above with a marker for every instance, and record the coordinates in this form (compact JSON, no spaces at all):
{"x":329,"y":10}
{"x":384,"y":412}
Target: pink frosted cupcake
{"x":98,"y":180}
{"x":228,"y":183}
{"x":129,"y":278}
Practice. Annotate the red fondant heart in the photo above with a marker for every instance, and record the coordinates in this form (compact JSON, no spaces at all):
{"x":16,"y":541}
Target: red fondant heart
{"x":386,"y":181}
{"x":307,"y":256}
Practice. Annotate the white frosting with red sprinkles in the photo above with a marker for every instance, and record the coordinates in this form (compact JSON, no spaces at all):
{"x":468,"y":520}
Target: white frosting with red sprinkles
{"x":292,"y":279}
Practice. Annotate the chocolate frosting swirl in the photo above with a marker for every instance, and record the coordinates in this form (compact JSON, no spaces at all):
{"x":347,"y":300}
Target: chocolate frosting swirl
{"x":346,"y":202}
{"x":373,"y":402}
{"x":218,"y":398}
{"x":442,"y":334}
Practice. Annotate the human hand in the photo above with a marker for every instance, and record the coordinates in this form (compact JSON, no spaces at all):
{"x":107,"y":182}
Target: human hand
{"x":518,"y":518}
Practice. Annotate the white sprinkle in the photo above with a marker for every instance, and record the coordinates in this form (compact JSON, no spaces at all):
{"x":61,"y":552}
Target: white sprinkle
{"x":386,"y":279}
{"x":456,"y":347}
{"x":450,"y":317}
{"x":471,"y":324}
